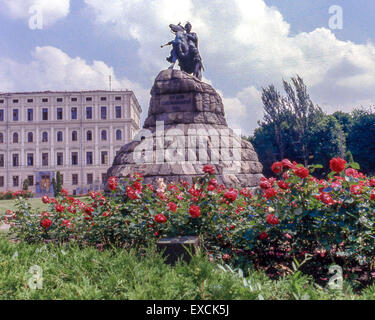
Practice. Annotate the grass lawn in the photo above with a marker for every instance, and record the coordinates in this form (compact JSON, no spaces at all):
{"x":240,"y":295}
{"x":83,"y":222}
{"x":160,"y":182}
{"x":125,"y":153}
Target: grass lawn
{"x":35,"y":202}
{"x":69,"y":272}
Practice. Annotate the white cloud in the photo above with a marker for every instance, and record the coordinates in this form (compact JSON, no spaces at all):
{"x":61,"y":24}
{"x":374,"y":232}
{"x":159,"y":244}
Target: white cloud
{"x":51,"y":11}
{"x":52,"y":69}
{"x":247,"y":45}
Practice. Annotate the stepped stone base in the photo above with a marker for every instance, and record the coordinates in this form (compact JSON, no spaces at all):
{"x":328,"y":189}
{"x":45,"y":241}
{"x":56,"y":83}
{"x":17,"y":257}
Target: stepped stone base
{"x":186,"y":129}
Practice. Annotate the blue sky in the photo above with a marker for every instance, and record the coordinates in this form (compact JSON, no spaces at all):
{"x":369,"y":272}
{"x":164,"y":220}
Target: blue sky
{"x":245,"y":45}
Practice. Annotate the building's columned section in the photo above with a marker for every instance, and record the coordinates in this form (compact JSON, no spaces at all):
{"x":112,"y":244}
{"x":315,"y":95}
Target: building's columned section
{"x":77,"y":133}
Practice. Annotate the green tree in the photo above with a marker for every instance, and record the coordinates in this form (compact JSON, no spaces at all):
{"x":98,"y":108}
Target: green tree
{"x":361,"y":139}
{"x":25,"y":185}
{"x":57,"y":184}
{"x":305,"y":115}
{"x":294,"y":127}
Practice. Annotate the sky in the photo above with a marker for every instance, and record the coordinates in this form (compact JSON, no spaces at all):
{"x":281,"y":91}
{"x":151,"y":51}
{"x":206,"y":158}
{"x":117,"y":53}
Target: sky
{"x":246,"y":45}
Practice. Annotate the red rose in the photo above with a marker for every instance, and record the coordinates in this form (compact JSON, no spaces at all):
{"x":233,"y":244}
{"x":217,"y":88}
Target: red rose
{"x":137,"y":186}
{"x":112,"y":183}
{"x":131,"y":193}
{"x":45,"y":214}
{"x":287,"y":164}
{"x":372,"y":196}
{"x":283,"y":185}
{"x":208,"y":169}
{"x":356,"y":189}
{"x":272,"y":219}
{"x":59,"y":208}
{"x":301,"y":172}
{"x":270,"y":193}
{"x":195,"y":211}
{"x":372,"y":182}
{"x":46,"y":223}
{"x":265,"y":183}
{"x":226,"y":256}
{"x":263,"y":236}
{"x":71,"y":209}
{"x":231,"y":194}
{"x":326,"y":198}
{"x":45,"y":199}
{"x":89,"y":210}
{"x":160,"y":218}
{"x":277,"y":167}
{"x":64,"y":192}
{"x":66,"y":223}
{"x":172,"y":206}
{"x":337,"y":164}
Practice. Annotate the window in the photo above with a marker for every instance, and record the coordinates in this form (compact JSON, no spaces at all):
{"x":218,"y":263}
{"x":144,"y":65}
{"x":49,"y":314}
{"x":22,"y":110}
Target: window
{"x":59,"y":100}
{"x":89,"y":135}
{"x":44,"y":159}
{"x":1,"y":137}
{"x":104,"y":135}
{"x":30,"y":115}
{"x":60,"y":159}
{"x":16,"y":181}
{"x":89,"y":159}
{"x":88,"y":99}
{"x":118,"y":135}
{"x":90,"y":178}
{"x":118,"y":112}
{"x":118,"y":98}
{"x":103,"y":99}
{"x":1,"y":114}
{"x":15,"y":137}
{"x":74,"y":113}
{"x":30,"y":137}
{"x":15,"y":114}
{"x":104,"y":177}
{"x":44,"y":114}
{"x":74,"y":158}
{"x":74,"y":99}
{"x":88,"y":112}
{"x":104,"y":157}
{"x":74,"y":136}
{"x":31,"y":180}
{"x":30,"y":159}
{"x":30,"y":100}
{"x":2,"y":163}
{"x":75,"y":179}
{"x":59,"y":113}
{"x":103,"y":113}
{"x":1,"y":181}
{"x":44,"y":100}
{"x":59,"y":136}
{"x":15,"y":101}
{"x":1,"y":100}
{"x":44,"y":136}
{"x":15,"y":160}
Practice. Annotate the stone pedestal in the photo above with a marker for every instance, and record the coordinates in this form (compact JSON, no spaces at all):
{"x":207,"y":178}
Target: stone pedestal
{"x":186,"y":129}
{"x":178,"y":248}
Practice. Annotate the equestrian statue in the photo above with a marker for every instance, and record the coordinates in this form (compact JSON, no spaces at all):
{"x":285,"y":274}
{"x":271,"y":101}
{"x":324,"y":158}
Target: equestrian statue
{"x":185,"y":50}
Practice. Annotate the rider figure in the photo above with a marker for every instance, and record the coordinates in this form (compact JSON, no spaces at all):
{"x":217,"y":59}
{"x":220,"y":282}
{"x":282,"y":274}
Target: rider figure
{"x":193,"y":49}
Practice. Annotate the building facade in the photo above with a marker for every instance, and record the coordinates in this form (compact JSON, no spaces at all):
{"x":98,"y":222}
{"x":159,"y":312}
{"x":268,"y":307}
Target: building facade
{"x":76,"y":133}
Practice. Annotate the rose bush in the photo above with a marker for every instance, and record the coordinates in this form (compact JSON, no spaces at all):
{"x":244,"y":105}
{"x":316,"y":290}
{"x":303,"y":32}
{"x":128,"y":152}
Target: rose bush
{"x":294,"y":216}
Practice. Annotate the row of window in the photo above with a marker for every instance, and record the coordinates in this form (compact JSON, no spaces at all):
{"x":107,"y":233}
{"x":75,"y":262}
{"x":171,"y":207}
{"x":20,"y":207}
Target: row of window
{"x":75,"y":179}
{"x":60,"y":135}
{"x":73,"y":99}
{"x":59,"y":159}
{"x":60,"y":113}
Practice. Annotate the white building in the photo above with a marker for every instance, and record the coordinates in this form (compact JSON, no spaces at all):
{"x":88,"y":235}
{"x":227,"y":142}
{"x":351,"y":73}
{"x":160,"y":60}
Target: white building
{"x":77,"y":133}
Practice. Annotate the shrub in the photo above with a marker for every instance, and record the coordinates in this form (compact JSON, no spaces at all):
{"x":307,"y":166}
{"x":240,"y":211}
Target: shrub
{"x":296,"y":217}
